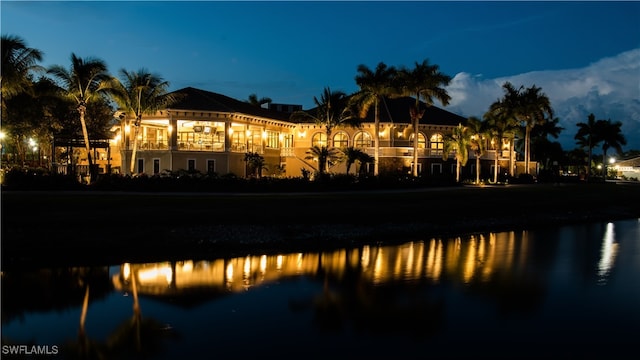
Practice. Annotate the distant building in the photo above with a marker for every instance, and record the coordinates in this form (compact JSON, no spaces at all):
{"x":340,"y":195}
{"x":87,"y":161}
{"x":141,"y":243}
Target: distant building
{"x":628,"y":169}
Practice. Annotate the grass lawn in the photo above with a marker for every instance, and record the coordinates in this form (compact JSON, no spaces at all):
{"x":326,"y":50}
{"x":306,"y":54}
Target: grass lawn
{"x":44,"y":228}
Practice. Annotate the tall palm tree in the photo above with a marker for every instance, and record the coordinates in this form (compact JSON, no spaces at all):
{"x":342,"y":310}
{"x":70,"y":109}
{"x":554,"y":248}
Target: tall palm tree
{"x":18,"y":63}
{"x":457,"y":141}
{"x":611,"y":135}
{"x":507,"y":110}
{"x":530,"y":107}
{"x":85,"y":81}
{"x":501,"y":128}
{"x":253,"y":100}
{"x":536,"y":110}
{"x":477,"y":130}
{"x":374,"y":86}
{"x":586,"y":138}
{"x":424,"y":82}
{"x":332,"y":110}
{"x":140,"y":92}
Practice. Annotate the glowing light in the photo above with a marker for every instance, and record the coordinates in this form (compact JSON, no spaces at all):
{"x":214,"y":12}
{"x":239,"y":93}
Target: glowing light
{"x":127,"y":129}
{"x":170,"y":129}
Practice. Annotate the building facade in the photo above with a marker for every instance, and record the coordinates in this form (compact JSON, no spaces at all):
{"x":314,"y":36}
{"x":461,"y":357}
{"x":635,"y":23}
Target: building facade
{"x":208,"y":132}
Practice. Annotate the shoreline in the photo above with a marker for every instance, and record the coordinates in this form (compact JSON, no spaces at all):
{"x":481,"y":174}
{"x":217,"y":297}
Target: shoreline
{"x":142,"y":227}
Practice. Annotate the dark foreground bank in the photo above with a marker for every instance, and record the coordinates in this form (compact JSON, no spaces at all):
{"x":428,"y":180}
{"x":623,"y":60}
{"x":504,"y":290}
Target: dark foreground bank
{"x":103,"y":228}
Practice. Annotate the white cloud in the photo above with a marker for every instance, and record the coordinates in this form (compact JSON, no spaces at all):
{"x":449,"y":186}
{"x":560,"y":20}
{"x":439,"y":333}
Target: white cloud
{"x":608,"y":88}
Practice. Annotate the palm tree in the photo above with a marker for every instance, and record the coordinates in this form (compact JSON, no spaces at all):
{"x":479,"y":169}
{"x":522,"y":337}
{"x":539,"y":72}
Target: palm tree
{"x":351,"y":155}
{"x":253,"y":100}
{"x":364,"y":159}
{"x":425,"y":82}
{"x":527,"y":106}
{"x":501,"y":128}
{"x":141,"y":93}
{"x":18,"y":62}
{"x":255,"y":163}
{"x":457,"y":141}
{"x":374,"y":86}
{"x":332,"y":110}
{"x":586,"y":138}
{"x":610,"y":134}
{"x":536,"y":110}
{"x":506,"y":109}
{"x":324,"y":156}
{"x":85,"y":81}
{"x":477,"y":131}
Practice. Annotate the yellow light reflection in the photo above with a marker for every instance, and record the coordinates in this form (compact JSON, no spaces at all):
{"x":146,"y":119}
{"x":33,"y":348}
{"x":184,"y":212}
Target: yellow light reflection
{"x":263,"y":264}
{"x":474,"y":258}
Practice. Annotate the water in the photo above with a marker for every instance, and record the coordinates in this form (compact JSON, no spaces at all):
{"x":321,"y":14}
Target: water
{"x":569,"y":292}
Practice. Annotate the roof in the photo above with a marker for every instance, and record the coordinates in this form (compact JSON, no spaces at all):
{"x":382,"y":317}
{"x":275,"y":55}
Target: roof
{"x":392,"y":110}
{"x":190,"y":98}
{"x":396,"y":110}
{"x":634,"y":162}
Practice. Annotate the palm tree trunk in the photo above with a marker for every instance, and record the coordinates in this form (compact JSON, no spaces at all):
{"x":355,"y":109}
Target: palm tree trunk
{"x":477,"y":169}
{"x":376,"y":147}
{"x":132,"y":165}
{"x":495,"y":163}
{"x":512,"y":146}
{"x":415,"y":145}
{"x":82,"y":109}
{"x":604,"y":165}
{"x":527,"y":144}
{"x":589,"y":161}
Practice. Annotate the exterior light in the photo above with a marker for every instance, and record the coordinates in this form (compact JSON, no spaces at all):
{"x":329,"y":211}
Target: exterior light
{"x":127,"y":128}
{"x":230,"y":131}
{"x":2,"y":135}
{"x":170,"y":129}
{"x":248,"y":132}
{"x":612,"y":160}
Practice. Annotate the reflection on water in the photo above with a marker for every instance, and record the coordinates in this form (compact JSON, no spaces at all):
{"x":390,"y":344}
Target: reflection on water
{"x":521,"y":287}
{"x":608,"y":253}
{"x":476,"y":258}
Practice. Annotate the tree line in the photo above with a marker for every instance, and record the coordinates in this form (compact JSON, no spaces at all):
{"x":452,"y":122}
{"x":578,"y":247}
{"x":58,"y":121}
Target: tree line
{"x":40,"y":103}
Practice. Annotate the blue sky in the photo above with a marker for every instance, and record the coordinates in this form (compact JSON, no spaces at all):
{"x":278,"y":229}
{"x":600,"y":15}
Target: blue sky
{"x":585,"y":55}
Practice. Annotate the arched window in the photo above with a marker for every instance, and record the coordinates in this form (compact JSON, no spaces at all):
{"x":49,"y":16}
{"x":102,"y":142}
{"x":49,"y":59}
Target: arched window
{"x":319,"y":139}
{"x":422,"y":141}
{"x":341,"y":140}
{"x":362,"y":139}
{"x":436,"y":144}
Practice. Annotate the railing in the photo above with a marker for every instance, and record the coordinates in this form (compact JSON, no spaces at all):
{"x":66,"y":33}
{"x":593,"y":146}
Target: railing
{"x":201,"y":146}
